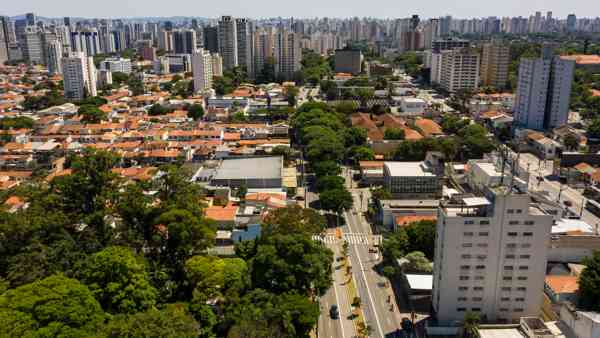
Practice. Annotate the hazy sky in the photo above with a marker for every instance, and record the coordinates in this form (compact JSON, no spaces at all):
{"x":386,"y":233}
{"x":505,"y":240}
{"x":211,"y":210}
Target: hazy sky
{"x":298,"y":8}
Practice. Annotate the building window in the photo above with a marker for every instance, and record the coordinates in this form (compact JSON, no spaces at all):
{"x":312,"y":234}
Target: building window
{"x":519,"y":211}
{"x":518,"y":310}
{"x":477,"y":299}
{"x":467,"y":245}
{"x":478,"y":288}
{"x":476,"y":309}
{"x":509,"y":256}
{"x":484,"y":222}
{"x":479,"y":278}
{"x":508,"y":267}
{"x":525,"y":256}
{"x":462,"y":299}
{"x":467,"y":234}
{"x":466,"y":256}
{"x":461,"y":309}
{"x":481,"y":256}
{"x":512,"y":234}
{"x":482,"y":245}
{"x":523,"y":267}
{"x":528,"y":234}
{"x":464,"y":278}
{"x":520,"y":299}
{"x":485,"y":233}
{"x":506,"y":288}
{"x":521,"y":288}
{"x":469,"y":222}
{"x":507,"y":278}
{"x":513,"y":222}
{"x":510,"y":211}
{"x":463,"y":288}
{"x":522,"y":278}
{"x":503,"y":309}
{"x":465,"y":267}
{"x":505,"y":299}
{"x":529,"y":222}
{"x":525,"y":245}
{"x":511,"y":245}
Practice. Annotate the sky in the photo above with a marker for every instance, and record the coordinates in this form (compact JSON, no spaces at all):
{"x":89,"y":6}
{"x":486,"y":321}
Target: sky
{"x":298,"y":8}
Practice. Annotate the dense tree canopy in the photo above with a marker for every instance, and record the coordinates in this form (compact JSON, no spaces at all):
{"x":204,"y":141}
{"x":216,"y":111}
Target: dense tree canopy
{"x":589,"y":283}
{"x":294,"y":220}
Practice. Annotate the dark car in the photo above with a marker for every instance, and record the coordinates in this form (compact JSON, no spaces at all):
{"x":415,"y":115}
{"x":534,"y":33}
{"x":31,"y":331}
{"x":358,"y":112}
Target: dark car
{"x":334,"y":312}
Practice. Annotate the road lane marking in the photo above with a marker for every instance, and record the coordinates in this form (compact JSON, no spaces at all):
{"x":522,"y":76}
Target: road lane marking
{"x":337,"y":300}
{"x":365,"y":281}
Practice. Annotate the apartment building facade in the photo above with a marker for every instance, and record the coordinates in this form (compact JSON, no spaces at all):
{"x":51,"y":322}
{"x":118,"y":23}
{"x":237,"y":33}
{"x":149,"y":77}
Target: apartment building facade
{"x":202,"y":69}
{"x":490,"y":253}
{"x":494,"y":64}
{"x":459,"y":70}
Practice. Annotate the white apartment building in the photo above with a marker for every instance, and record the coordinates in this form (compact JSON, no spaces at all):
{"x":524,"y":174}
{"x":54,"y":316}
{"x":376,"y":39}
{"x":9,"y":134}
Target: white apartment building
{"x":54,"y":51}
{"x":117,"y":65}
{"x":217,"y":64}
{"x":543,"y":91}
{"x":228,"y":46}
{"x":436,"y":67}
{"x":202,"y":69}
{"x":79,"y":75}
{"x":459,"y":69}
{"x":490,"y":251}
{"x":288,"y":54}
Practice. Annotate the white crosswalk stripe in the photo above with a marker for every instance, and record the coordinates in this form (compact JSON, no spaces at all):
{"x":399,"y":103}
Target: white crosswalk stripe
{"x":351,"y":238}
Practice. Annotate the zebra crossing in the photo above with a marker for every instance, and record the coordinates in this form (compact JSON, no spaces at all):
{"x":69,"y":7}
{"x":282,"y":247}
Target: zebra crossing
{"x":351,"y":238}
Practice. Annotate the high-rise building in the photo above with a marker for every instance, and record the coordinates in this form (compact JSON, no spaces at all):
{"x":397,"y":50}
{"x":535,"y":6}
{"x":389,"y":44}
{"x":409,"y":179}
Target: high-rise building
{"x":288,"y":54}
{"x":439,"y":45}
{"x":494,"y":64}
{"x":4,"y":38}
{"x":54,"y":52}
{"x":184,"y":41}
{"x":571,"y":23}
{"x":264,"y":45}
{"x":211,"y":39}
{"x":348,"y":61}
{"x":217,"y":64}
{"x":459,"y":69}
{"x":244,"y":31}
{"x":87,"y":41}
{"x":32,"y":45}
{"x":202,"y":69}
{"x":228,"y":42}
{"x":543,"y":91}
{"x":146,"y":50}
{"x":165,"y":40}
{"x":490,"y":250}
{"x":67,"y":21}
{"x":79,"y":74}
{"x":115,"y":65}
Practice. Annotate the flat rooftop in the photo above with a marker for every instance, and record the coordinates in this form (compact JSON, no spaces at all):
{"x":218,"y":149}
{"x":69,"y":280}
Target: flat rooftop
{"x":408,"y":169}
{"x":250,"y":168}
{"x":500,"y":333}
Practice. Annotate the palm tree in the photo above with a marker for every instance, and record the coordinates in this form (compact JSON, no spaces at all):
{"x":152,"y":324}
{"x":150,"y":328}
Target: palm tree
{"x":470,"y":323}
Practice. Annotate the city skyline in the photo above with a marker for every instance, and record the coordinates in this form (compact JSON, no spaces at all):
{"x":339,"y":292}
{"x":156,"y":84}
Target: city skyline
{"x":305,"y":9}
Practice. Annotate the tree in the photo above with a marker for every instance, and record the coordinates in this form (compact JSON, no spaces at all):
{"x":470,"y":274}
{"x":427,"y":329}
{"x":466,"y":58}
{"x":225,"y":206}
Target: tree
{"x":51,"y":307}
{"x":364,"y":95}
{"x":91,"y":114}
{"x":355,"y":136}
{"x":293,"y":220}
{"x":417,"y":263}
{"x":119,"y":78}
{"x":158,"y":109}
{"x":394,"y":134}
{"x":593,"y":130}
{"x":380,"y":193}
{"x":119,"y":281}
{"x":195,"y":111}
{"x":325,"y":148}
{"x":470,"y":324}
{"x":324,"y":168}
{"x":263,"y":314}
{"x":186,"y":234}
{"x":394,"y":246}
{"x":267,"y":73}
{"x":291,"y":94}
{"x":223,"y":85}
{"x":291,"y":263}
{"x":171,"y":321}
{"x":589,"y":283}
{"x":475,"y":141}
{"x":336,"y":200}
{"x":284,"y":151}
{"x":361,"y":153}
{"x":135,"y":85}
{"x":329,"y":183}
{"x":212,"y":276}
{"x":18,"y":122}
{"x":452,"y":124}
{"x":571,"y":142}
{"x":421,"y":236}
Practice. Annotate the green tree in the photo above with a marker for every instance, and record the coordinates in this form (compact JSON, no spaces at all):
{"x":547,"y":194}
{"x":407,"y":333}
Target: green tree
{"x":16,"y":123}
{"x":394,"y":134}
{"x":214,"y":276}
{"x":329,"y":183}
{"x":421,"y":236}
{"x":336,"y":200}
{"x":470,"y":324}
{"x":570,"y":141}
{"x":324,"y":168}
{"x":589,"y":283}
{"x":291,"y":95}
{"x":593,"y":129}
{"x":119,"y":78}
{"x":195,"y":111}
{"x":293,"y":220}
{"x":56,"y":306}
{"x":475,"y":141}
{"x":223,"y":85}
{"x":355,"y":136}
{"x":361,"y":153}
{"x":325,"y":148}
{"x":417,"y":263}
{"x":452,"y":124}
{"x":380,"y":193}
{"x":171,"y":321}
{"x":158,"y":109}
{"x":91,"y":114}
{"x":119,"y":281}
{"x":291,"y":263}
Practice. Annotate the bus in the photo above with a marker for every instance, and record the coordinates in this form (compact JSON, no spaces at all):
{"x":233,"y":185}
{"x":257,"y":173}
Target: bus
{"x":593,"y":207}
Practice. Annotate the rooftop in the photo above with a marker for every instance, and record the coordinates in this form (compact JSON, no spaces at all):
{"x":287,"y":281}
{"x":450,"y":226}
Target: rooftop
{"x":408,"y":169}
{"x":250,"y":168}
{"x":563,"y":284}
